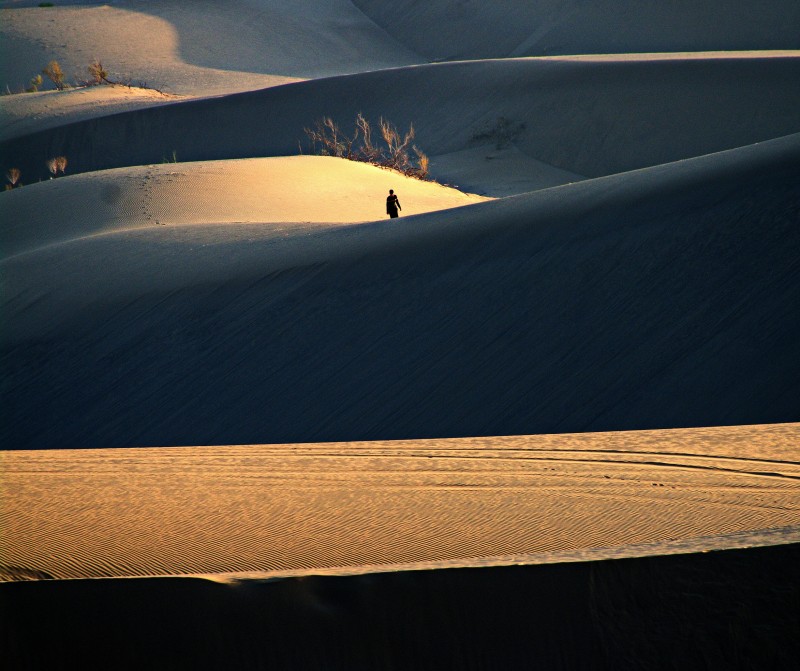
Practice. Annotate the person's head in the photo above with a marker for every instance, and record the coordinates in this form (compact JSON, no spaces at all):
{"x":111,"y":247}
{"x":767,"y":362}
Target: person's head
{"x":391,"y":191}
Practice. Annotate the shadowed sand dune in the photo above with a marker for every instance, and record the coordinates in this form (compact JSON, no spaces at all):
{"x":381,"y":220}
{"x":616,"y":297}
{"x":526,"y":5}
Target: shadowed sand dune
{"x":475,"y":30}
{"x":652,"y":299}
{"x":736,"y":609}
{"x":588,"y":118}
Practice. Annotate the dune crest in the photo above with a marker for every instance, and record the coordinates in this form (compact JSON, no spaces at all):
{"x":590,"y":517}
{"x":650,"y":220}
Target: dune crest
{"x":285,"y":190}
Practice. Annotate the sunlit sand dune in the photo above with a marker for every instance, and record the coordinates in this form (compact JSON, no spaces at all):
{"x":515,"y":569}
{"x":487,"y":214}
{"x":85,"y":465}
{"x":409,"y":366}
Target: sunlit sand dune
{"x":202,"y":47}
{"x":178,"y":50}
{"x":284,"y":508}
{"x":20,"y":115}
{"x":295,"y":189}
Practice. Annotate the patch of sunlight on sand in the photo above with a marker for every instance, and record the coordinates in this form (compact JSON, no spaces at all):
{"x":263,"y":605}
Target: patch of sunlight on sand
{"x":319,"y":507}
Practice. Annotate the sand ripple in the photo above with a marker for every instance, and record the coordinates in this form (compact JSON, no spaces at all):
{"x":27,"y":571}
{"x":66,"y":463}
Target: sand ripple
{"x":154,"y":511}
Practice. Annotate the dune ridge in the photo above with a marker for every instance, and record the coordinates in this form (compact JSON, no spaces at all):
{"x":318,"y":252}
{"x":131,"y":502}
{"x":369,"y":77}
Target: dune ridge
{"x":584,"y":117}
{"x":476,"y":30}
{"x":287,"y":190}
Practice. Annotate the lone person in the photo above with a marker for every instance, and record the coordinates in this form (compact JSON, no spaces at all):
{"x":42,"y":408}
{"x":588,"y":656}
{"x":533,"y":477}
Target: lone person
{"x":392,"y":204}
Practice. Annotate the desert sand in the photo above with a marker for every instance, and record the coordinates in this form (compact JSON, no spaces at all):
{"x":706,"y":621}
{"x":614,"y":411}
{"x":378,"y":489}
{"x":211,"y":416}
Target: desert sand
{"x":273,"y":510}
{"x":548,"y":416}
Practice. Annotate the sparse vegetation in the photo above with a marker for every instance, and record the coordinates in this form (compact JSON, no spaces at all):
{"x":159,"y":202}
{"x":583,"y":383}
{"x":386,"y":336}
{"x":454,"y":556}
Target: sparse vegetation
{"x":34,"y":84}
{"x":501,"y":133}
{"x":13,"y":176}
{"x":98,"y":73}
{"x":54,"y":72}
{"x":46,"y":4}
{"x":327,"y":139}
{"x":57,"y":165}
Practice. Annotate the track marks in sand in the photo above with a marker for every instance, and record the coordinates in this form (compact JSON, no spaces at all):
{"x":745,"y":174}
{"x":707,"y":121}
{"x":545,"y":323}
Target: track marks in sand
{"x":153,"y":511}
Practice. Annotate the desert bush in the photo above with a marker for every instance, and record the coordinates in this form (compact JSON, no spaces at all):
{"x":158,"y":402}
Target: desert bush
{"x":54,"y":72}
{"x":397,"y":146}
{"x":57,"y":165}
{"x":98,"y":73}
{"x":423,"y":163}
{"x":13,"y":176}
{"x":34,"y":84}
{"x":327,"y":139}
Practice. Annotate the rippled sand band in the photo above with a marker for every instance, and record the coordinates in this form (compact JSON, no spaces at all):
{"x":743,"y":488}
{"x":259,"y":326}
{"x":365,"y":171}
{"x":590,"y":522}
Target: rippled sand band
{"x":171,"y":511}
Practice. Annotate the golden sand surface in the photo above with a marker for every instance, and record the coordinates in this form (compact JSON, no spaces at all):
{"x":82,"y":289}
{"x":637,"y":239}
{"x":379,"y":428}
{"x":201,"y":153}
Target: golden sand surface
{"x":172,"y":511}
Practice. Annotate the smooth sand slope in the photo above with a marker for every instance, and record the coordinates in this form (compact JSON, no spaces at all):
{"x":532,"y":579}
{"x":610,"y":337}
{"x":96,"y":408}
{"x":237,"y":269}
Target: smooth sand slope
{"x":652,"y":299}
{"x":181,"y":49}
{"x":476,"y":30}
{"x":303,"y":508}
{"x":199,"y":47}
{"x":185,"y":47}
{"x":290,"y":190}
{"x":516,"y":124}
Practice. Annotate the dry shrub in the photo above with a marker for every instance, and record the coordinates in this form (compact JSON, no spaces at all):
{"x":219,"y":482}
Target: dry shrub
{"x":327,"y":139}
{"x":57,"y":165}
{"x":54,"y":72}
{"x":35,"y":83}
{"x":13,"y":176}
{"x":98,"y":73}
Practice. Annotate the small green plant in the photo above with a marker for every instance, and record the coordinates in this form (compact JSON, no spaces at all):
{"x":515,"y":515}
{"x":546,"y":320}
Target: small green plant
{"x":170,"y":159}
{"x":45,"y":4}
{"x":54,"y":72}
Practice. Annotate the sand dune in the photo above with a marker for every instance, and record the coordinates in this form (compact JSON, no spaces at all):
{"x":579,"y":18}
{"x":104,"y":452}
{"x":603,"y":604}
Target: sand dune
{"x":180,"y":49}
{"x":295,"y":189}
{"x":478,"y":30}
{"x":537,"y":388}
{"x":199,"y":47}
{"x":577,"y":117}
{"x":275,"y":509}
{"x":652,"y":299}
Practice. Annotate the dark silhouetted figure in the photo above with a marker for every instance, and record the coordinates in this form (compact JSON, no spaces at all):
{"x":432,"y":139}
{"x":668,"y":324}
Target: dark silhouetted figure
{"x":392,"y":204}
